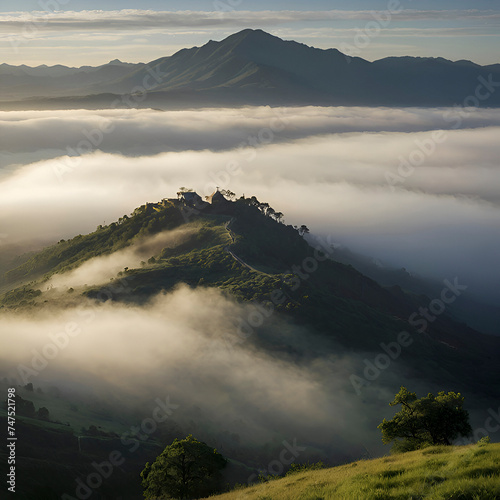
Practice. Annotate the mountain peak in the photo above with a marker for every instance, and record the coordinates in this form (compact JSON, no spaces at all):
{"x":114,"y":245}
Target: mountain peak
{"x":251,"y":37}
{"x":253,"y":33}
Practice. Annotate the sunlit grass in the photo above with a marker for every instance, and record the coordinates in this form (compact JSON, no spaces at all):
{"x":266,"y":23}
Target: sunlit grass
{"x":438,"y":473}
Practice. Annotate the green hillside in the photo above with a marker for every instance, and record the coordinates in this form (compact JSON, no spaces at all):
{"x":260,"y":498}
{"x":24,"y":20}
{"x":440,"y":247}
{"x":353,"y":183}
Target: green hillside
{"x":438,"y":473}
{"x":241,"y":248}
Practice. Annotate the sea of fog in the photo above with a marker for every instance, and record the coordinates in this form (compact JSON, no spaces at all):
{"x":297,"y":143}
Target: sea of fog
{"x":414,"y":188}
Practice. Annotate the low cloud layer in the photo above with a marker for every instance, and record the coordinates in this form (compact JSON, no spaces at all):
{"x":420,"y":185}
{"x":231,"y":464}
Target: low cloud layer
{"x":26,"y":136}
{"x":186,"y":345}
{"x":430,"y":203}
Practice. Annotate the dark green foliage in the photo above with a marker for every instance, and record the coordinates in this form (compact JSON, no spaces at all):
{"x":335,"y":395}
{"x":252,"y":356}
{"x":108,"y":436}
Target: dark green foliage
{"x":24,"y":407}
{"x":43,"y":413}
{"x":266,"y":478}
{"x":297,"y":468}
{"x":484,"y":441}
{"x":185,"y":469}
{"x":206,"y":237}
{"x":264,"y":242}
{"x":21,"y":296}
{"x":431,"y":420}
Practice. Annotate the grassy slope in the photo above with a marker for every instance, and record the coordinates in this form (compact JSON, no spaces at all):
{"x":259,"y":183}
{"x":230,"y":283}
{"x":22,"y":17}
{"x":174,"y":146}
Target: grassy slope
{"x":460,"y":473}
{"x":69,"y":254}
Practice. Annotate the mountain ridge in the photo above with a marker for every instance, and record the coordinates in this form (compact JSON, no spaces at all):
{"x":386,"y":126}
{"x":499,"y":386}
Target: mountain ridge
{"x":253,"y":66}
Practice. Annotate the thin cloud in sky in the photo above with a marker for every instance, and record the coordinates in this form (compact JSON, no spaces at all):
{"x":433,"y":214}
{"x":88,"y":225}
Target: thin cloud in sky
{"x":134,"y":19}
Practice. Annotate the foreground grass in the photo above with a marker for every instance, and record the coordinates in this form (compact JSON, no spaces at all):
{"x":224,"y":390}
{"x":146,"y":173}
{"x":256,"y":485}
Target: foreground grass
{"x":453,"y":473}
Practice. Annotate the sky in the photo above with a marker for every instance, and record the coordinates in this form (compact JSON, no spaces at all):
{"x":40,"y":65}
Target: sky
{"x":90,"y":32}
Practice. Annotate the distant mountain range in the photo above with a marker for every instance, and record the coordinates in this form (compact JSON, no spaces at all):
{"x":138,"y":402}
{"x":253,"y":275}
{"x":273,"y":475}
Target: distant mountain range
{"x":254,"y":67}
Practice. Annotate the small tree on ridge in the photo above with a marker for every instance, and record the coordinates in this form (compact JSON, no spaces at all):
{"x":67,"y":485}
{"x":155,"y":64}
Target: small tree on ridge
{"x":431,"y":420}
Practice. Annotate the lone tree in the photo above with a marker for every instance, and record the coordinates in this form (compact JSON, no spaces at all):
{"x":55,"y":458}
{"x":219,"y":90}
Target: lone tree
{"x":228,"y":194}
{"x":185,"y":469}
{"x":303,"y":230}
{"x":431,"y":420}
{"x":278,"y":216}
{"x":43,"y":413}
